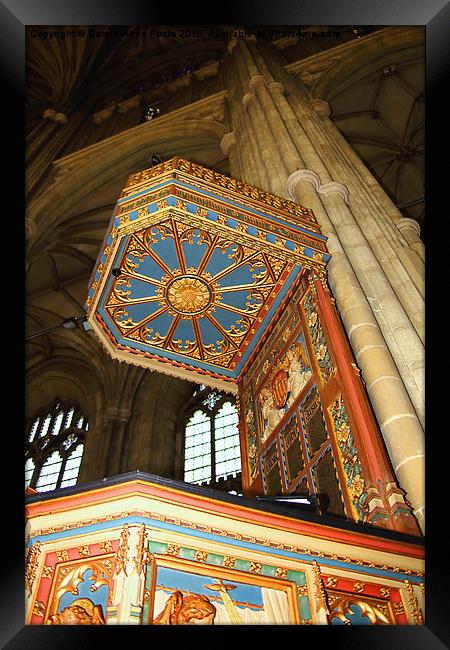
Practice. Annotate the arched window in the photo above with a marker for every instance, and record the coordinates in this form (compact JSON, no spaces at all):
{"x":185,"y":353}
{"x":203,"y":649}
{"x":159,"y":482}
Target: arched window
{"x":54,"y":445}
{"x":211,"y":444}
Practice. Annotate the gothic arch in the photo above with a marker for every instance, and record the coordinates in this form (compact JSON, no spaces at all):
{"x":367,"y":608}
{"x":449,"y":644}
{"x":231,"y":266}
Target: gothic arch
{"x":104,"y":167}
{"x":401,"y":44}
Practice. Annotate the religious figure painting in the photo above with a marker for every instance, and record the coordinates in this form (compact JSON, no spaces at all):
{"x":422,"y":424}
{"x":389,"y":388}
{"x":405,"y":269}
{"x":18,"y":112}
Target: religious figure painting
{"x":212,"y":597}
{"x":285,"y":381}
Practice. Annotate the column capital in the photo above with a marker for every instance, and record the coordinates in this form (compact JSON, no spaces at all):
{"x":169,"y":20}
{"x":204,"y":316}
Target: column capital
{"x":277,"y":85}
{"x":124,"y":415}
{"x":50,"y":114}
{"x":321,"y":107}
{"x":301,"y":175}
{"x":406,"y":223}
{"x":111,"y":412}
{"x":337,"y":188}
{"x":256,"y":80}
{"x":227,"y":142}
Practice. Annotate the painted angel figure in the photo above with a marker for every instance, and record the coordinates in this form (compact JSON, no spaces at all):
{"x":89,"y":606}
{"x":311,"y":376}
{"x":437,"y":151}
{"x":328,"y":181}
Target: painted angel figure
{"x":298,"y":373}
{"x":270,"y":413}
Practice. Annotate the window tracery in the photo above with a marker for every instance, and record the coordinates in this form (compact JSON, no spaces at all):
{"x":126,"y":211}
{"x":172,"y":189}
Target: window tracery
{"x":211,"y":441}
{"x":54,"y":445}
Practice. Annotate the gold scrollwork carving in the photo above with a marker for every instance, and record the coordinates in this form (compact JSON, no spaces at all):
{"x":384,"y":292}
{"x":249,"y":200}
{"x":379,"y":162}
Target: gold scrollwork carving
{"x":71,"y":578}
{"x":142,"y":556}
{"x":319,"y":590}
{"x":121,"y":556}
{"x":62,"y":556}
{"x":39,"y":608}
{"x":80,"y":612}
{"x":84,"y":551}
{"x":32,"y":560}
{"x":255,"y":567}
{"x":343,"y":609}
{"x":200,"y":556}
{"x":414,"y":604}
{"x":48,"y":571}
{"x":173,"y":549}
{"x":398,"y":608}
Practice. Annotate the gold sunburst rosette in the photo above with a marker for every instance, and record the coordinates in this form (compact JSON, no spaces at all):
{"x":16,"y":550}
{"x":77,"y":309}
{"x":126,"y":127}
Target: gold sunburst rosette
{"x":189,"y":294}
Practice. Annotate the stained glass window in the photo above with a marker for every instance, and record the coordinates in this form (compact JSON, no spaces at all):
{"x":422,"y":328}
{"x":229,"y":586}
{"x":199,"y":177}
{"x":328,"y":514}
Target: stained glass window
{"x":211,"y":448}
{"x":54,"y":446}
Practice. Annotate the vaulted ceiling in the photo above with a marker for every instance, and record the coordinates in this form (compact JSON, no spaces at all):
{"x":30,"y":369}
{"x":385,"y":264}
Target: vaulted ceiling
{"x":378,"y":107}
{"x":382,"y":115}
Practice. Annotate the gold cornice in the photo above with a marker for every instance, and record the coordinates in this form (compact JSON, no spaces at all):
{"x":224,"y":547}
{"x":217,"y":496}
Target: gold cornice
{"x":243,"y":238}
{"x":226,"y":534}
{"x":271,"y":203}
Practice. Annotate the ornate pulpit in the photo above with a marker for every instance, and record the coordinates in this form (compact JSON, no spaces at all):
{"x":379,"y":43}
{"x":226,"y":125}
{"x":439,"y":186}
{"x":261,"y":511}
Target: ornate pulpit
{"x":194,"y":269}
{"x":206,"y":278}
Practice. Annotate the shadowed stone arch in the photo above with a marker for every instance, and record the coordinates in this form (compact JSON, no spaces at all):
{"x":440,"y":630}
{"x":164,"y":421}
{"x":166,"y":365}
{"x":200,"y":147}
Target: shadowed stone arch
{"x":108,"y":164}
{"x":401,"y":44}
{"x":72,"y":381}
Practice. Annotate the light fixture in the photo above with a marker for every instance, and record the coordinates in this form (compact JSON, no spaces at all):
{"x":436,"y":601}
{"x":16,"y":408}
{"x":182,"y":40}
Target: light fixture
{"x":155,"y":160}
{"x":303,"y":501}
{"x":70,"y":323}
{"x":150,"y":112}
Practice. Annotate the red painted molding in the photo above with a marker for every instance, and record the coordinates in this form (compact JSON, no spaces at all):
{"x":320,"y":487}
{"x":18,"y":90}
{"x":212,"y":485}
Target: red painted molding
{"x":211,"y":506}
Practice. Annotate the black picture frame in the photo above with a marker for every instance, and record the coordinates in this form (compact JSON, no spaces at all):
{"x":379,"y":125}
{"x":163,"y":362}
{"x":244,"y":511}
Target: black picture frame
{"x":435,"y":16}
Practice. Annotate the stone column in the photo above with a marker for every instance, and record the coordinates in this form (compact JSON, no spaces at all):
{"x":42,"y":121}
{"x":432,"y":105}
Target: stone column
{"x":116,"y":459}
{"x":295,"y":153}
{"x":402,"y":339}
{"x":410,"y":229}
{"x":388,"y":209}
{"x":228,"y":146}
{"x":396,"y":416}
{"x":373,"y":210}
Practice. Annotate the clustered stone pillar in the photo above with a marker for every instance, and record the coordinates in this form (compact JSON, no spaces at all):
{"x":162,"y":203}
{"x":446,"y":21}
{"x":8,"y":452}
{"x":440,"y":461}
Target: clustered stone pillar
{"x":110,"y":457}
{"x":291,"y":151}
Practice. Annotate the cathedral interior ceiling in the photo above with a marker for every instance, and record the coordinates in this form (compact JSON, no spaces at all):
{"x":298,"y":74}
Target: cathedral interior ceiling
{"x":379,"y":108}
{"x":376,"y":97}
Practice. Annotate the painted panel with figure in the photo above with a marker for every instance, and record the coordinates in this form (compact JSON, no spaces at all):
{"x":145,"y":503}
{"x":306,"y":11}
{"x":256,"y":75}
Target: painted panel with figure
{"x":185,"y":586}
